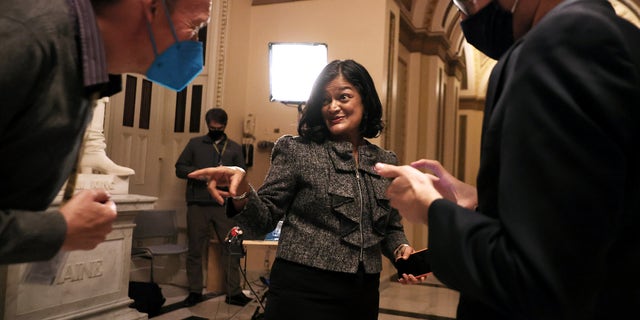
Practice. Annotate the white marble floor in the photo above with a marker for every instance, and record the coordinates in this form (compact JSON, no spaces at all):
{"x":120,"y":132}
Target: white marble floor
{"x":430,"y":300}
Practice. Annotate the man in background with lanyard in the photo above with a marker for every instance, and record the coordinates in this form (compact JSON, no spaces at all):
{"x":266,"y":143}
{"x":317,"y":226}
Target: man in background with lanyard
{"x":211,"y":150}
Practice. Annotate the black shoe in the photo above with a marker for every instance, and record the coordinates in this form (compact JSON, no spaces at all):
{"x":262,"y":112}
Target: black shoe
{"x":238,"y":300}
{"x":193,"y":299}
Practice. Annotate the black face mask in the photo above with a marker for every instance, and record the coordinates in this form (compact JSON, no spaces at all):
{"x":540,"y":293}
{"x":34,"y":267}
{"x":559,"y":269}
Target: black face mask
{"x":490,"y":30}
{"x":215,"y":135}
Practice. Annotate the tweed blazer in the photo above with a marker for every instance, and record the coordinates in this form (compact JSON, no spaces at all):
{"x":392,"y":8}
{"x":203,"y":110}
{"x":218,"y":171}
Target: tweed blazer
{"x":334,"y":214}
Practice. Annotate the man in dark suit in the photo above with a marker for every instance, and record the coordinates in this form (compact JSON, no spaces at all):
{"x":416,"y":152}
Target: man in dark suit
{"x":552,"y":232}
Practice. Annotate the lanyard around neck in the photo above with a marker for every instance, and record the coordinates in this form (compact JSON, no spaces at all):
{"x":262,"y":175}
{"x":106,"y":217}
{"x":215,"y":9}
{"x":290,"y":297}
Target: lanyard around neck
{"x":220,"y":153}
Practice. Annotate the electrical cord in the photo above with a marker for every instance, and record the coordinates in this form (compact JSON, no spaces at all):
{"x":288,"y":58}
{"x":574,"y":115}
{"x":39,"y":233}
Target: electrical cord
{"x":244,"y":275}
{"x":233,"y":240}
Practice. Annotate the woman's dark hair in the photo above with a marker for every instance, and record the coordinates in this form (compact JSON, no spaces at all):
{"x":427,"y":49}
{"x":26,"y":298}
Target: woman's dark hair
{"x":312,"y":125}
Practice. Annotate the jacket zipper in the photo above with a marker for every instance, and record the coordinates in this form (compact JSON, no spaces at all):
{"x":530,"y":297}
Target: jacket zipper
{"x":361,"y":214}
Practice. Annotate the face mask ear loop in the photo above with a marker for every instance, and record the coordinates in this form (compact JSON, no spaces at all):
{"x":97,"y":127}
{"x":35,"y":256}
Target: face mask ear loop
{"x":153,"y":40}
{"x":166,"y":11}
{"x":515,"y":5}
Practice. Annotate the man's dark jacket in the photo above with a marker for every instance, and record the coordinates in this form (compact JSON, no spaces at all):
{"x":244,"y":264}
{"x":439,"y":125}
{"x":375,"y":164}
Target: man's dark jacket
{"x":557,"y":234}
{"x":200,"y":153}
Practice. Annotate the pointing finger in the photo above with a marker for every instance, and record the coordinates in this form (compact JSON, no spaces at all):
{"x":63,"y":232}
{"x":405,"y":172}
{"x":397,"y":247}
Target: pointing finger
{"x":387,"y":170}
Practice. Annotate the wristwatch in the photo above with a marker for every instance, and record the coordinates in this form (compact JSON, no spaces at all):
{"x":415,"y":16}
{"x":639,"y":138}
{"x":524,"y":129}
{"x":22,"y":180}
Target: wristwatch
{"x":244,"y":195}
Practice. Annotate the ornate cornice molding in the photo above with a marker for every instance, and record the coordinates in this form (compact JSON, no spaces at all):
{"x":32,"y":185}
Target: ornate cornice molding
{"x":431,"y":45}
{"x":469,"y":103}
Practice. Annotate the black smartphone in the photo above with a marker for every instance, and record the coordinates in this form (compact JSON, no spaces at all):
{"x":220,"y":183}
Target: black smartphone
{"x":418,"y":264}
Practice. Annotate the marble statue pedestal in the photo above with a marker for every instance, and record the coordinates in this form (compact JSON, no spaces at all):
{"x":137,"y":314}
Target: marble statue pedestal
{"x":92,"y":284}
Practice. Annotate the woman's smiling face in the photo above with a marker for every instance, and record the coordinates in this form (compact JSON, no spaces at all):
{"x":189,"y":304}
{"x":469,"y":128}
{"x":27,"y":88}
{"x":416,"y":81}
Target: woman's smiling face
{"x":342,"y":110}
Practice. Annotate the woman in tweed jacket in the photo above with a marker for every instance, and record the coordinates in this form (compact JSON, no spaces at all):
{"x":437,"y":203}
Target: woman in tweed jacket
{"x":337,"y":221}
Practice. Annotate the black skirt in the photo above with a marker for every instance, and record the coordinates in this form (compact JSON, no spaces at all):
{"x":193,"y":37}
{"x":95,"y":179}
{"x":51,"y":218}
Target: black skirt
{"x":299,"y":292}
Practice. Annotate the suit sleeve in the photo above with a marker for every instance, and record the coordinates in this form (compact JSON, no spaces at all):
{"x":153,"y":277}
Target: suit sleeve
{"x":559,"y":141}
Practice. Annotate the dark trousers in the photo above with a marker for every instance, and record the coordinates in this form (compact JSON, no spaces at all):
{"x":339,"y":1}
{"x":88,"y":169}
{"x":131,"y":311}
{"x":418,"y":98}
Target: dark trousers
{"x":301,"y":292}
{"x":198,"y":220}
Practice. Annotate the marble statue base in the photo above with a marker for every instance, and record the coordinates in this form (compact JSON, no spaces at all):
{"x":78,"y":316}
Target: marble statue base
{"x":109,"y":182}
{"x":91,"y":284}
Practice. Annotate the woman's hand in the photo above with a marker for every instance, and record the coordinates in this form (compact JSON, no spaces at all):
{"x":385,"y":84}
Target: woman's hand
{"x":411,"y":279}
{"x":223,"y":176}
{"x":404,"y":253}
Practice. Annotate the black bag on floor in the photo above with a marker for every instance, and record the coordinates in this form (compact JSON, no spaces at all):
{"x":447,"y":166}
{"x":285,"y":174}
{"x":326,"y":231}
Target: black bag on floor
{"x":147,"y":297}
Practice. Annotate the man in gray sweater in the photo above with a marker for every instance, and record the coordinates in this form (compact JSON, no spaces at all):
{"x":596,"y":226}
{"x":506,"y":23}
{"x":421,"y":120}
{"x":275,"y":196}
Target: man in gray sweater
{"x":57,"y":57}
